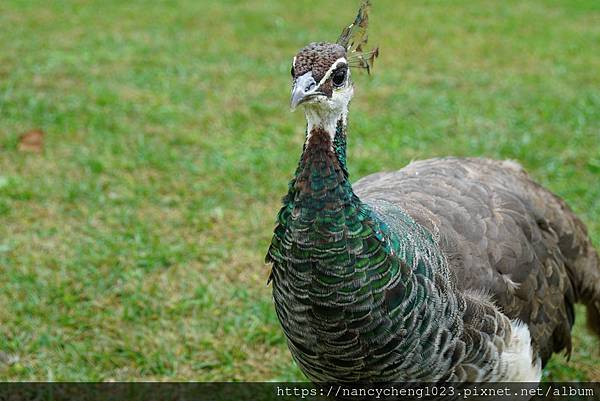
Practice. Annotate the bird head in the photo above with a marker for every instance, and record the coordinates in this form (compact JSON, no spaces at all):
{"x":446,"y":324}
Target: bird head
{"x":321,"y":77}
{"x":321,"y":73}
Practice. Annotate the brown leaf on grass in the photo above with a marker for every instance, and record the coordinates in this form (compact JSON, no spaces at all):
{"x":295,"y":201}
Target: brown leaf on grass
{"x":31,"y":141}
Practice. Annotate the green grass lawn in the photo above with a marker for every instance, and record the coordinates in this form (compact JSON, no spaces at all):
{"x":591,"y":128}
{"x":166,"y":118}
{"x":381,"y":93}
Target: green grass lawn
{"x":132,"y":248}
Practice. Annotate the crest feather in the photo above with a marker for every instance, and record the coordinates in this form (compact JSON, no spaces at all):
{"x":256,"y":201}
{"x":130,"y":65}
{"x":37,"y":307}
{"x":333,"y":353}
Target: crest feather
{"x":354,"y":37}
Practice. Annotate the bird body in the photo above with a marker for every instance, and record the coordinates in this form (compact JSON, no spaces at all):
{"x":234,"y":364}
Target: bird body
{"x":447,"y":270}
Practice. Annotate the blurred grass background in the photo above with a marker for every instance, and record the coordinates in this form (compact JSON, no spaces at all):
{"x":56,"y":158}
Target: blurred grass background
{"x":132,"y":247}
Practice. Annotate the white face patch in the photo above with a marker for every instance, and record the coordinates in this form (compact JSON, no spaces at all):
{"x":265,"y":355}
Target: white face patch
{"x":326,"y":112}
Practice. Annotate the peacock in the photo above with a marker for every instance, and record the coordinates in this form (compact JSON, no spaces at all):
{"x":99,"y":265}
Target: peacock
{"x":450,"y":269}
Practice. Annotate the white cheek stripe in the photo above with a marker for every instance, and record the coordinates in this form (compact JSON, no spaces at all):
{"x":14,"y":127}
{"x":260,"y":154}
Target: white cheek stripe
{"x":331,"y":69}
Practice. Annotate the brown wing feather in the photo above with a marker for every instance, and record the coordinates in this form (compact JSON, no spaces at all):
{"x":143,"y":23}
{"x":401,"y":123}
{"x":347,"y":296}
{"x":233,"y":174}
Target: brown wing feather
{"x":503,"y":234}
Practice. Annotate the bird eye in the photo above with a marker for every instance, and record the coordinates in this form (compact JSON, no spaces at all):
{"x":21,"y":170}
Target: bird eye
{"x":339,"y":76}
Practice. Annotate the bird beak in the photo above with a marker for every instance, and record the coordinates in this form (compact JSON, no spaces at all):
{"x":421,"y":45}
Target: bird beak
{"x":304,"y":89}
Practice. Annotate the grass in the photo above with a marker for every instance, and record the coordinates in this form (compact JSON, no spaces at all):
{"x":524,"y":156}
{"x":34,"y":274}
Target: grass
{"x":132,"y":247}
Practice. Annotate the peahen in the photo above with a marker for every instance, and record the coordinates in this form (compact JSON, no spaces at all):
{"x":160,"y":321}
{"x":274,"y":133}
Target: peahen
{"x":450,"y":269}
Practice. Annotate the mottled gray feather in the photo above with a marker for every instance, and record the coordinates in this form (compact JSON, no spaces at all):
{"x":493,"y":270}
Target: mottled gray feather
{"x":502,"y":234}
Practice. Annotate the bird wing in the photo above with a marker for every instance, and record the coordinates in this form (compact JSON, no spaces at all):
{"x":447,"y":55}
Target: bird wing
{"x":502,"y":234}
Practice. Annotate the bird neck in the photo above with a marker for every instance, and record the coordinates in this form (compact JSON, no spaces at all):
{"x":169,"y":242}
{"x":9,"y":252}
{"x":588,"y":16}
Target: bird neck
{"x":322,"y":213}
{"x":321,"y":188}
{"x":321,"y":124}
{"x":323,"y":161}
